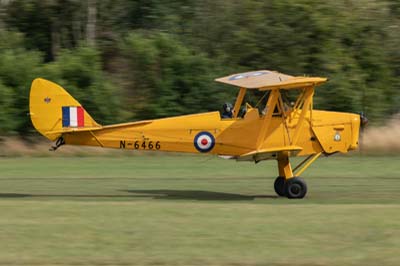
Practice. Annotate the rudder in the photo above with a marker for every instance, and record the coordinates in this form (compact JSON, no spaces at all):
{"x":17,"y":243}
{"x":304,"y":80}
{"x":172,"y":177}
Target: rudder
{"x":53,"y":110}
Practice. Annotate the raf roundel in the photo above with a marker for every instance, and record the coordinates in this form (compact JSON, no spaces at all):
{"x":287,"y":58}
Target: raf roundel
{"x":204,"y":141}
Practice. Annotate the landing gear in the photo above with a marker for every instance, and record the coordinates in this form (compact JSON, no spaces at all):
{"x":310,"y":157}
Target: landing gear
{"x":292,"y":188}
{"x":295,"y":188}
{"x":279,"y":186}
{"x":289,"y":184}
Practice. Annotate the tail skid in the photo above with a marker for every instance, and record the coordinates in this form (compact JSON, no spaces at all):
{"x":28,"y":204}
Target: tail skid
{"x":60,"y":141}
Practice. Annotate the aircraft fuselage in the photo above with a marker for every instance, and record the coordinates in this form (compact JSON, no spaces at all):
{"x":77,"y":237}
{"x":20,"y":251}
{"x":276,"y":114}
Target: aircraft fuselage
{"x":327,"y":132}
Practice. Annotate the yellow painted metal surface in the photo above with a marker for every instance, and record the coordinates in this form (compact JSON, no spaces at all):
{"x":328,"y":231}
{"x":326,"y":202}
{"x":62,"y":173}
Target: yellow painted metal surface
{"x":45,"y":102}
{"x":277,"y":132}
{"x":284,"y":167}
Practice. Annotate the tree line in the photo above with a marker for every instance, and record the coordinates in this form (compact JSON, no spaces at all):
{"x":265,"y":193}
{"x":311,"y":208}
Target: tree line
{"x":129,"y":60}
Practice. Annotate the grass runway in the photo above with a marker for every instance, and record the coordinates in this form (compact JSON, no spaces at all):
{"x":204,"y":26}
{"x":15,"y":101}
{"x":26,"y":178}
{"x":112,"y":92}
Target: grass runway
{"x":196,"y":210}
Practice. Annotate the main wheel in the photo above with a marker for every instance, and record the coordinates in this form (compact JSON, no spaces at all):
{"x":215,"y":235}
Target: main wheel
{"x":295,"y":188}
{"x":279,"y":186}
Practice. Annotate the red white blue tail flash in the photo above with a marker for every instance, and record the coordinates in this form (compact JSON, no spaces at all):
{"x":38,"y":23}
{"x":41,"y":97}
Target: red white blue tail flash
{"x":204,"y":141}
{"x":73,"y":116}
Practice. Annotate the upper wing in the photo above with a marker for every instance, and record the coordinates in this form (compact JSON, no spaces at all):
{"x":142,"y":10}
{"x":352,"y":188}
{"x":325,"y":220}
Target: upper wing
{"x":269,"y":80}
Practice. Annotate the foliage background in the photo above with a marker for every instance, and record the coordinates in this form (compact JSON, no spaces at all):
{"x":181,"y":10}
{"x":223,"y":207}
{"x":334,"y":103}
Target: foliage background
{"x":129,"y":60}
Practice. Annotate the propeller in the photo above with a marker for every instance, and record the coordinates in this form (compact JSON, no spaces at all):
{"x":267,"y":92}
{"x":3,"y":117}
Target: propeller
{"x":363,"y":119}
{"x":363,"y":124}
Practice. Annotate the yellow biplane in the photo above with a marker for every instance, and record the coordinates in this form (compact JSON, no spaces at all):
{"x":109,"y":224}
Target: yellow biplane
{"x":281,"y":125}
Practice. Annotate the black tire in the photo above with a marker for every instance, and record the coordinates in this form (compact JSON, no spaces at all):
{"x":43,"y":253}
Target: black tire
{"x":279,"y":186}
{"x":295,"y":188}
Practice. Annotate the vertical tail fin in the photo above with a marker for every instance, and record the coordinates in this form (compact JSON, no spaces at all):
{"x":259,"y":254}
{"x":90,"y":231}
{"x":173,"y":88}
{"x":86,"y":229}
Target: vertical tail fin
{"x":54,"y":111}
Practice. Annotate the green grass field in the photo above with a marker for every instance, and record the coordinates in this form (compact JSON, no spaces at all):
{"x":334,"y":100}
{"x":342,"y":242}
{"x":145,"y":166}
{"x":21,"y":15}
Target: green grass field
{"x":196,"y":210}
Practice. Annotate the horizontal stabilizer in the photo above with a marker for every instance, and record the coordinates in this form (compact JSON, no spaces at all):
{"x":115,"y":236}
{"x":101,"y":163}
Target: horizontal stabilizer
{"x":123,"y":125}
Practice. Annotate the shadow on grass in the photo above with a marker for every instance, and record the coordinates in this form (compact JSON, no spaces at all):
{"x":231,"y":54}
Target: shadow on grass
{"x":195,"y":195}
{"x":162,"y":194}
{"x":21,"y":195}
